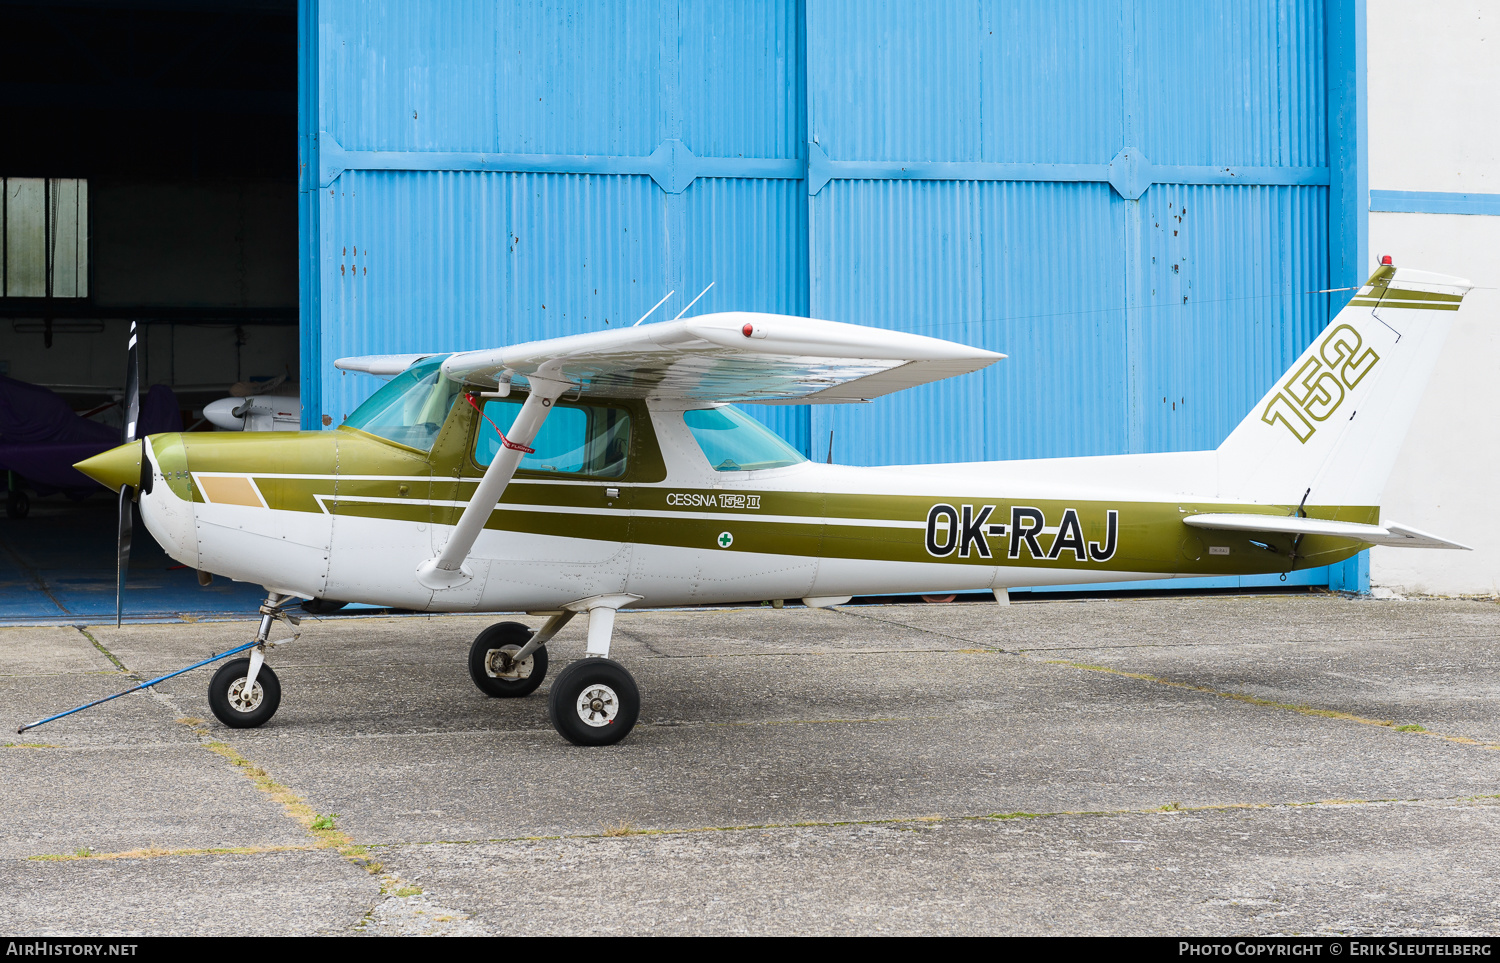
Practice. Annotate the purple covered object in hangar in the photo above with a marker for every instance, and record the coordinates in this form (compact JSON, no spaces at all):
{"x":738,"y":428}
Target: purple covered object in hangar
{"x":41,"y":437}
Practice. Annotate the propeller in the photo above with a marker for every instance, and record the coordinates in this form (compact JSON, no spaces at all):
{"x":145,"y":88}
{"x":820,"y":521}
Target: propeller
{"x":127,"y":507}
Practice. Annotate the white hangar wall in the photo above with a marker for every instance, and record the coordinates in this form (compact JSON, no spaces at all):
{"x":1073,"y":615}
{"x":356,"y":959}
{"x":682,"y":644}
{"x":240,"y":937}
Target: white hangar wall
{"x":1434,"y":145}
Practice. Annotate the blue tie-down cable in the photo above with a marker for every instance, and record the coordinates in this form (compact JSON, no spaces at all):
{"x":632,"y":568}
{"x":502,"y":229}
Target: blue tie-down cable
{"x":143,"y":685}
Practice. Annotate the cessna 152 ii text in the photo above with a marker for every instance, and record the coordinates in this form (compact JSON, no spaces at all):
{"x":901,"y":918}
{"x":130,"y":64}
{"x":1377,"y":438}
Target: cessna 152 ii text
{"x":586,"y":473}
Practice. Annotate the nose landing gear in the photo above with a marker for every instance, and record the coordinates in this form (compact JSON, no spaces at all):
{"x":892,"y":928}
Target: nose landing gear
{"x":241,"y":706}
{"x":245,"y":693}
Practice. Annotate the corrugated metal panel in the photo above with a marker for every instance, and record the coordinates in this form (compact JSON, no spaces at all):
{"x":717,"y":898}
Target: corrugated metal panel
{"x":580,"y":77}
{"x":563,"y":78}
{"x":1166,"y":353}
{"x":1068,"y":82}
{"x":1033,"y":270}
{"x":447,"y":261}
{"x":894,"y":79}
{"x":1051,"y":81}
{"x":902,"y":255}
{"x":1053,"y":300}
{"x":749,"y":238}
{"x":1101,"y":333}
{"x":433,"y":261}
{"x":741,"y":69}
{"x":1231,"y":83}
{"x":1225,"y":303}
{"x":408,"y":76}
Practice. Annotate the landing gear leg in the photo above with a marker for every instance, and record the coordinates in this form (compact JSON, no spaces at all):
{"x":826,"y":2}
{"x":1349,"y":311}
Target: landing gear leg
{"x":245,"y":693}
{"x":508,"y":660}
{"x":594,"y":701}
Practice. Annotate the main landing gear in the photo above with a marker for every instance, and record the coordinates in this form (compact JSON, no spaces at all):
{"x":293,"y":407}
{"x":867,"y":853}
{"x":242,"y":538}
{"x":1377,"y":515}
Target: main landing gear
{"x":593,"y":702}
{"x":497,"y":665}
{"x":245,"y":693}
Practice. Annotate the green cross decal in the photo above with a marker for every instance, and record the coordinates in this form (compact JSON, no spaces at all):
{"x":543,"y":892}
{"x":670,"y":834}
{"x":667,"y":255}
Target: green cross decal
{"x":725,"y":539}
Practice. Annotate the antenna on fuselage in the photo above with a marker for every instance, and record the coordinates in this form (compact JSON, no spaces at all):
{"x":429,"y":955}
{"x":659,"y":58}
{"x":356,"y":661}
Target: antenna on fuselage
{"x":653,"y":308}
{"x":694,"y":301}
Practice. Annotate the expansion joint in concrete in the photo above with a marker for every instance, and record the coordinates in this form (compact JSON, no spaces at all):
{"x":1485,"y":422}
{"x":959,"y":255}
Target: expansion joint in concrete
{"x":107,"y":654}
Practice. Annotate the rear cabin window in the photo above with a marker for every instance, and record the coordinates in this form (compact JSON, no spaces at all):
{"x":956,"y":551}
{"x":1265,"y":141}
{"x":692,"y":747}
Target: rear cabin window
{"x":574,"y":440}
{"x":733,"y":441}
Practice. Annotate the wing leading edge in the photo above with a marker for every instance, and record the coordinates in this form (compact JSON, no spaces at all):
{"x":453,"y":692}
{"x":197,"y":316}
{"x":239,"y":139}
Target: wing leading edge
{"x":730,"y":357}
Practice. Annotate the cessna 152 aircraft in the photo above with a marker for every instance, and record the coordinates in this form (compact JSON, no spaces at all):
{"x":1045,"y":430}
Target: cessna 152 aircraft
{"x":586,"y":473}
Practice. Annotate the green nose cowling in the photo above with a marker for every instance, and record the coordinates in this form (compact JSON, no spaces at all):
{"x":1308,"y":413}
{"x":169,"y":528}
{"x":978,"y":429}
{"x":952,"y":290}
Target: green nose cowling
{"x":116,"y":467}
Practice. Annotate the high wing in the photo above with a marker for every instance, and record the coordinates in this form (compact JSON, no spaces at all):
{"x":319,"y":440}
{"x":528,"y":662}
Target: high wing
{"x":730,"y":357}
{"x":1391,"y":533}
{"x":381,"y":365}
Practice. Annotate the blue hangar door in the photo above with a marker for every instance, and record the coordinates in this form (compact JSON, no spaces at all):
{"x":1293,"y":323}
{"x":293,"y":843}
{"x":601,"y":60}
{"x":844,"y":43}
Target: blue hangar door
{"x":1142,"y":202}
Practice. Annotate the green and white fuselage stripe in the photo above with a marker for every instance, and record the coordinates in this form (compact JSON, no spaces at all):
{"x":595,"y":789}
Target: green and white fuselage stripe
{"x":323,"y":501}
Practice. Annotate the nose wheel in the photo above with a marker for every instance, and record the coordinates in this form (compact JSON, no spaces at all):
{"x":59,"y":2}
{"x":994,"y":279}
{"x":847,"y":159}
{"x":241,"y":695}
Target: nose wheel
{"x":239,"y":706}
{"x":245,"y":693}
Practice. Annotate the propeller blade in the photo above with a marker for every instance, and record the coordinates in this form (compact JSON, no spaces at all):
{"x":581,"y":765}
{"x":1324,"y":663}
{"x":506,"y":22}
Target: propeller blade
{"x":122,"y":551}
{"x":127,"y":510}
{"x":132,"y":388}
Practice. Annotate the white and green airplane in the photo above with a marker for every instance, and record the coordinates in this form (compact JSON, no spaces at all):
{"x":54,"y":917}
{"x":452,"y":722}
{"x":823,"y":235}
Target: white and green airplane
{"x":586,"y":473}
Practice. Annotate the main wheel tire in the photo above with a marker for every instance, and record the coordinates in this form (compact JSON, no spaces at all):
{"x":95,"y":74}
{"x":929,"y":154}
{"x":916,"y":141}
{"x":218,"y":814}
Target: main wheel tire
{"x":226,"y":695}
{"x":594,"y":702}
{"x":18,"y":504}
{"x":493,"y":669}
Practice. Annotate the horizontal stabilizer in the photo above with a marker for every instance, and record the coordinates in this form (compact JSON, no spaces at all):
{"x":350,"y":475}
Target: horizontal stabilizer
{"x":1397,"y":536}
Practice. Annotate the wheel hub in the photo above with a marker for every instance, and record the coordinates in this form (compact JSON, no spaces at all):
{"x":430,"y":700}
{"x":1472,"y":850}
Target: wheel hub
{"x":598,"y":705}
{"x":502,"y":664}
{"x":240,"y":700}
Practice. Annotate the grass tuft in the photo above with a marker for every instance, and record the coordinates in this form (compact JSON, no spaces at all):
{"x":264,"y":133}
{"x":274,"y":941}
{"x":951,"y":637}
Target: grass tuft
{"x":319,"y":825}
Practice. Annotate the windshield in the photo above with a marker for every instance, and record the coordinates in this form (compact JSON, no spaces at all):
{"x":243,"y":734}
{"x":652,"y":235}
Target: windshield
{"x":733,"y":441}
{"x":411,"y":408}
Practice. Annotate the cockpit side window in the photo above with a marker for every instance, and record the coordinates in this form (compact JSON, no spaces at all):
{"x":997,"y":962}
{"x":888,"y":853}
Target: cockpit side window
{"x":733,"y":441}
{"x":574,"y":440}
{"x":411,"y":408}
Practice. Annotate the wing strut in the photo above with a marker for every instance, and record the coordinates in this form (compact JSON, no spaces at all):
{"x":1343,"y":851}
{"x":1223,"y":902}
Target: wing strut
{"x":447,"y":570}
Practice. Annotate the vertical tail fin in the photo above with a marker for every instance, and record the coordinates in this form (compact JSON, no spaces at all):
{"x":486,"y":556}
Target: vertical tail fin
{"x":1330,"y":428}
